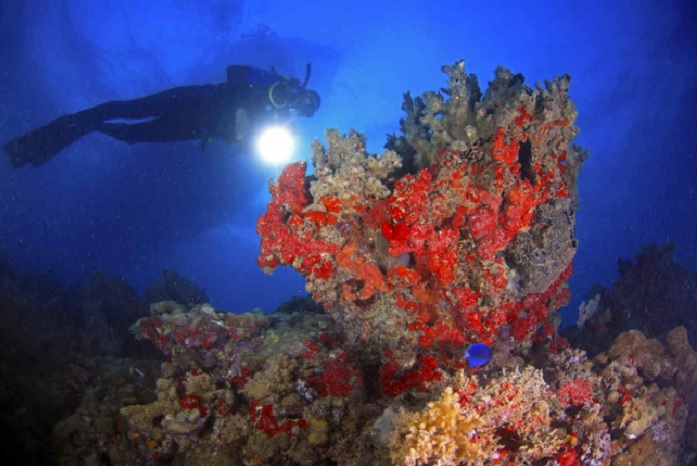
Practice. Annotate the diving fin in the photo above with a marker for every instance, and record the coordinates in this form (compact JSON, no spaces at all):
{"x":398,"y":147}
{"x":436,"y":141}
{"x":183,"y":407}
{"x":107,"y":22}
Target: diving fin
{"x":39,"y":145}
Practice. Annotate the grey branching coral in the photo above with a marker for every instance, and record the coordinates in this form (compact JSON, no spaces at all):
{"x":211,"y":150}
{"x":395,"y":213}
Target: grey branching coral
{"x":462,"y":119}
{"x":345,"y":168}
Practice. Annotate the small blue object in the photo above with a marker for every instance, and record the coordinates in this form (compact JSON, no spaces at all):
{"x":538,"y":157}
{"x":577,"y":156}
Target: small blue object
{"x":478,"y":354}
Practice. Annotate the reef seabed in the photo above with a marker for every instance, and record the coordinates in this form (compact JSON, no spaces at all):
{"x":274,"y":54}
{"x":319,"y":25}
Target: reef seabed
{"x":282,"y":390}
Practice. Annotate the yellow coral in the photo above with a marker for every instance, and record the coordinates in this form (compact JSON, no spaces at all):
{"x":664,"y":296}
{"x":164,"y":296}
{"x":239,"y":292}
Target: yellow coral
{"x":441,"y":432}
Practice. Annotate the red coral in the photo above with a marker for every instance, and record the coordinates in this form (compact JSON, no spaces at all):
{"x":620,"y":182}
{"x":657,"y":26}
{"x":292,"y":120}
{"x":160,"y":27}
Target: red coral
{"x":523,"y":118}
{"x":337,"y":379}
{"x":518,"y":211}
{"x":263,"y":419}
{"x":154,"y":330}
{"x":395,"y":381}
{"x":369,"y":273}
{"x":502,"y":153}
{"x":223,"y":408}
{"x":575,"y":392}
{"x":189,"y":401}
{"x":284,"y":238}
{"x":567,"y":457}
{"x":626,"y":395}
{"x":241,"y":379}
{"x":289,"y":192}
{"x":442,"y":254}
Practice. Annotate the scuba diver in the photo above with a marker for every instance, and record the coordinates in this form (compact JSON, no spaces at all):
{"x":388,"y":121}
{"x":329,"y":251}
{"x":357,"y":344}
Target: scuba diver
{"x":230,"y":110}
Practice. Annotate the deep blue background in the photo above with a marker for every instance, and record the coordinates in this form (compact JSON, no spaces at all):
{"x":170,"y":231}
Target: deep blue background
{"x":132,"y":210}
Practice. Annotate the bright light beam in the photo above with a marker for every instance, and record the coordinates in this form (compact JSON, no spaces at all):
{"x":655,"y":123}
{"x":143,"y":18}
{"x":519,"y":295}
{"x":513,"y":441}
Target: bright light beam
{"x":275,"y":145}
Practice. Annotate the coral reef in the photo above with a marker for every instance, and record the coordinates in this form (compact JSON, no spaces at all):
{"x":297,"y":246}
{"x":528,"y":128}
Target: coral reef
{"x":648,"y":394}
{"x":281,"y":389}
{"x":261,"y":387}
{"x":481,"y":236}
{"x":95,"y":432}
{"x":653,"y":294}
{"x":511,"y":416}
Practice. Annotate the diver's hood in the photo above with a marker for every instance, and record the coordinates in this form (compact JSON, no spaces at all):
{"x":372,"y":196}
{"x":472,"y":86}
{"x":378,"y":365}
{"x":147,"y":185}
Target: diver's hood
{"x":306,"y":103}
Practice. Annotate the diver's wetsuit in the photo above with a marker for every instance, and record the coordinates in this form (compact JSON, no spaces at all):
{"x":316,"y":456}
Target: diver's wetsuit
{"x":227,"y":111}
{"x":189,"y":114}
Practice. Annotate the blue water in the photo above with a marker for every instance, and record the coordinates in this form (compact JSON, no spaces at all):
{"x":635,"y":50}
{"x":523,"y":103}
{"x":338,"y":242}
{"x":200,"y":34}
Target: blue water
{"x":133,"y":210}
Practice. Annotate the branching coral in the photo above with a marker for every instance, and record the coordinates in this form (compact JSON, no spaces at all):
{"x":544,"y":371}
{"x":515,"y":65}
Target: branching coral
{"x":441,"y":432}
